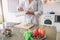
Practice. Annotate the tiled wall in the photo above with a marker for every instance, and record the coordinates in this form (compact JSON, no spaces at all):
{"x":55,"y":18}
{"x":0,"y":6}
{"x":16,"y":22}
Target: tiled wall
{"x":51,"y":7}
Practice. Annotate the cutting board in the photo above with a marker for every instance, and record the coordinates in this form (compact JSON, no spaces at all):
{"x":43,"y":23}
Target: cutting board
{"x":25,"y":26}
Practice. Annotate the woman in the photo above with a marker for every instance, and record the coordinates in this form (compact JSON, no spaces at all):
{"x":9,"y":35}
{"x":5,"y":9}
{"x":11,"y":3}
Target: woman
{"x":33,"y":9}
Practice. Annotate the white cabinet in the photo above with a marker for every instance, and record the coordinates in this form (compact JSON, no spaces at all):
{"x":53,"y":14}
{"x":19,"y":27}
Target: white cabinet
{"x":57,"y":26}
{"x":57,"y":0}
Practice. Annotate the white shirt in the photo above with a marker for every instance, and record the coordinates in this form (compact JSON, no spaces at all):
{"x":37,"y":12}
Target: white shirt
{"x":35,"y":6}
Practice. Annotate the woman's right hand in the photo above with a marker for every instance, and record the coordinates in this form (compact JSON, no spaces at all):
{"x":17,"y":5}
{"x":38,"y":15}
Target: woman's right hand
{"x":20,"y":9}
{"x":30,"y":12}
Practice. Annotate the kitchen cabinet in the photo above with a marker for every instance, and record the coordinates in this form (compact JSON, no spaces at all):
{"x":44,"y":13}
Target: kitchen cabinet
{"x":50,"y":1}
{"x":57,"y":0}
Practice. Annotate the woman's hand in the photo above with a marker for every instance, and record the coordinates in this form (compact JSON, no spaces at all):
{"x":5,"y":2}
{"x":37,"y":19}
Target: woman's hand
{"x":30,"y":12}
{"x":20,"y":9}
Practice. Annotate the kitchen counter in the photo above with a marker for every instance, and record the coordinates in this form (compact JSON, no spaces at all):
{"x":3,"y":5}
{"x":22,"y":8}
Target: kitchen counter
{"x":18,"y":33}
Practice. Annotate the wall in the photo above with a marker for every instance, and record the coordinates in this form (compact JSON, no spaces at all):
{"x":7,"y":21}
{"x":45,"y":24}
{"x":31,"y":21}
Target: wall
{"x":5,"y":9}
{"x":10,"y":11}
{"x":51,"y":7}
{"x":1,"y":11}
{"x":1,"y":18}
{"x":12,"y":5}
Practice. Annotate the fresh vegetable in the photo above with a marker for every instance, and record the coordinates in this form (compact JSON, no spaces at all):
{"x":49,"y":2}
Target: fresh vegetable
{"x":38,"y":33}
{"x":42,"y":32}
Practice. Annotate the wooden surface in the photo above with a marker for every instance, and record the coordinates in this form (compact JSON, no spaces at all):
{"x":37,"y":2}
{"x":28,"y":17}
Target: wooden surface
{"x":18,"y":33}
{"x":50,"y":32}
{"x":25,"y":26}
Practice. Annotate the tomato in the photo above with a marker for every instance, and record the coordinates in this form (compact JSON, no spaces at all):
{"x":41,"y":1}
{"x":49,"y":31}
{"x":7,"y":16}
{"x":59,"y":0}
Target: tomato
{"x":41,"y":32}
{"x":38,"y":33}
{"x":35,"y":31}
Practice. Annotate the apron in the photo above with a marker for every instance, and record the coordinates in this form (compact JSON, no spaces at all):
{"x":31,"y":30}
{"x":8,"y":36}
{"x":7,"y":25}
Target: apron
{"x":31,"y":19}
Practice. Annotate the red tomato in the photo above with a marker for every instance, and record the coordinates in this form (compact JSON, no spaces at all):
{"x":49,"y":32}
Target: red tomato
{"x":35,"y":31}
{"x":38,"y":33}
{"x":42,"y":32}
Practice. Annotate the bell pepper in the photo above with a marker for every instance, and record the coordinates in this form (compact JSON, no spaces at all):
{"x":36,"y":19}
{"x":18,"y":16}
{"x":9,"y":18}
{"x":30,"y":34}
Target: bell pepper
{"x":28,"y":35}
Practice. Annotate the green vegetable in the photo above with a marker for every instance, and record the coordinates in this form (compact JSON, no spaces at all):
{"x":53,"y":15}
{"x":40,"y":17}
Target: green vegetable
{"x":28,"y":35}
